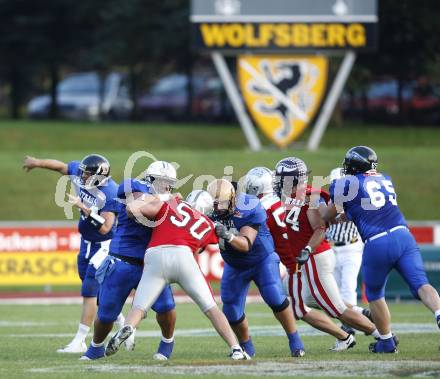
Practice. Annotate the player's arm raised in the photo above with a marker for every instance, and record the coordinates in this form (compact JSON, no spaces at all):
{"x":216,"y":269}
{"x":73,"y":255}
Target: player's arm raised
{"x":242,"y":242}
{"x":50,"y":164}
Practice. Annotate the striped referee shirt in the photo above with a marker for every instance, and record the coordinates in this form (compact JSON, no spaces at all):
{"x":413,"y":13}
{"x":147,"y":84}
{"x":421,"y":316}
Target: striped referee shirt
{"x":343,"y":233}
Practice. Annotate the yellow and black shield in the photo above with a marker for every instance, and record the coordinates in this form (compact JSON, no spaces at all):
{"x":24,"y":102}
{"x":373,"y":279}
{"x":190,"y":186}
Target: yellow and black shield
{"x":282,"y":93}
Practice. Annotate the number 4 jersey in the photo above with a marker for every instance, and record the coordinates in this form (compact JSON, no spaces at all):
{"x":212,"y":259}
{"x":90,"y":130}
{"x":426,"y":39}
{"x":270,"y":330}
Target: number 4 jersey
{"x":369,"y":200}
{"x":180,"y":225}
{"x":298,"y":226}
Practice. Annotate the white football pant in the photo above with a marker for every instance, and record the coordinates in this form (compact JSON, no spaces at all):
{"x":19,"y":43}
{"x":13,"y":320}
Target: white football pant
{"x":172,"y":264}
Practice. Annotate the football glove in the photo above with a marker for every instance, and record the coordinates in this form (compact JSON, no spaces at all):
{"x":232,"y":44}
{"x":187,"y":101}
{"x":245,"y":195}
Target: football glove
{"x":223,"y":232}
{"x":304,"y":255}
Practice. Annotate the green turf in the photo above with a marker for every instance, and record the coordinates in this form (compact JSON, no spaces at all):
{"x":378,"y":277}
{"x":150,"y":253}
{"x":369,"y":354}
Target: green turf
{"x":409,"y":155}
{"x":30,"y":342}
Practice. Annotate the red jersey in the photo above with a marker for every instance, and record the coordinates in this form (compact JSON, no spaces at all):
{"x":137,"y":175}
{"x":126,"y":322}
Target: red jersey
{"x":278,"y":229}
{"x":182,"y":225}
{"x":298,"y":226}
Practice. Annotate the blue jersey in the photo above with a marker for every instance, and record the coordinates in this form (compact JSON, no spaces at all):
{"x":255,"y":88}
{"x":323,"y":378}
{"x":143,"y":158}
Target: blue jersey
{"x":103,"y":198}
{"x":248,"y":212}
{"x":370,"y":201}
{"x":131,"y":238}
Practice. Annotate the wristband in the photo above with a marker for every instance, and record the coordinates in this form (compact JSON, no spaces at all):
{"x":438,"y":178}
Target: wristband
{"x":231,"y":238}
{"x":308,"y":248}
{"x":96,"y":220}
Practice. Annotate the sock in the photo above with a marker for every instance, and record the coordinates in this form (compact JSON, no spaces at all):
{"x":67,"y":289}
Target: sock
{"x":295,"y":342}
{"x":236,"y":347}
{"x":357,"y":309}
{"x":248,"y":346}
{"x":437,"y":313}
{"x":97,"y":344}
{"x":386,"y":336}
{"x":120,"y":321}
{"x":168,"y":340}
{"x":82,"y":332}
{"x":376,"y":334}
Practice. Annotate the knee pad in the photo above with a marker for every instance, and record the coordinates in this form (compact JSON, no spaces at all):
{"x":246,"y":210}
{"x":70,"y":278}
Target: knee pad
{"x":90,"y":287}
{"x":281,"y":307}
{"x":239,"y":321}
{"x":233,"y":314}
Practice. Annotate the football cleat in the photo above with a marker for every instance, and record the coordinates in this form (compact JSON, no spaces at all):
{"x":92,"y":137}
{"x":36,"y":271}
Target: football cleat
{"x":116,"y":341}
{"x":341,"y":345}
{"x":129,"y":342}
{"x":395,"y":338}
{"x":93,"y":353}
{"x":74,"y":347}
{"x":298,"y":353}
{"x":239,"y":355}
{"x":383,"y":346}
{"x":438,"y":321}
{"x":164,"y":351}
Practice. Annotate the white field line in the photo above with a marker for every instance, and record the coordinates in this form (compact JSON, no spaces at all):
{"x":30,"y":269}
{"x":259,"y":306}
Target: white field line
{"x":338,"y":369}
{"x":271,"y":331}
{"x":179,"y":299}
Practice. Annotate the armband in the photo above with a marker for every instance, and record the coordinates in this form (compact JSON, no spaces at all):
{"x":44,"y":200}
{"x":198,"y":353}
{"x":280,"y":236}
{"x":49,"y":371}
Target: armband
{"x":96,"y":220}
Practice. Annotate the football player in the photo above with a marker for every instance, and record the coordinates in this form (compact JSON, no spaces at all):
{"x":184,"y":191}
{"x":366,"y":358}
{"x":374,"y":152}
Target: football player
{"x":258,"y":182}
{"x":179,"y":233}
{"x":369,"y":199}
{"x":122,"y":270}
{"x":97,"y":202}
{"x":248,"y":251}
{"x":306,"y":230}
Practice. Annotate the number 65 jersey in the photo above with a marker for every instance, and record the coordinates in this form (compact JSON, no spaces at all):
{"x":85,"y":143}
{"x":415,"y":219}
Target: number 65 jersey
{"x":369,"y":200}
{"x":180,"y":225}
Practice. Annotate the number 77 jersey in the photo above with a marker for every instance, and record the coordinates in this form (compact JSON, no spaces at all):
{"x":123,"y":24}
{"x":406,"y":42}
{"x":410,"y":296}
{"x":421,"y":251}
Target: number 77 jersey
{"x":180,"y":225}
{"x":370,"y":201}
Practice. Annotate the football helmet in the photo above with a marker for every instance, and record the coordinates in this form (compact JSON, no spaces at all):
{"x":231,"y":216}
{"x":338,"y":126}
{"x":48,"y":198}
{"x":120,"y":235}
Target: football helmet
{"x":359,"y":159}
{"x":289,"y":172}
{"x":223,"y":194}
{"x":95,"y":171}
{"x":162,"y":176}
{"x":201,"y":201}
{"x":258,"y":181}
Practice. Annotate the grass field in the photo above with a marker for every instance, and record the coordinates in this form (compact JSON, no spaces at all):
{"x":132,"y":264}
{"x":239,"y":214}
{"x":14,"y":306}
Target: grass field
{"x":30,"y":334}
{"x":410,"y":155}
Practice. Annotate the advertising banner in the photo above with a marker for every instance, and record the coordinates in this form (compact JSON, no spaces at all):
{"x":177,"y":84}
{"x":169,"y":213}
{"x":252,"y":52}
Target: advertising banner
{"x":46,"y":255}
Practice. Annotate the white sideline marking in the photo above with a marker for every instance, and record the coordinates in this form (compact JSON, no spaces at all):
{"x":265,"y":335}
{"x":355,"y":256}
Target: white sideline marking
{"x":179,"y":299}
{"x":341,"y":368}
{"x":271,"y":331}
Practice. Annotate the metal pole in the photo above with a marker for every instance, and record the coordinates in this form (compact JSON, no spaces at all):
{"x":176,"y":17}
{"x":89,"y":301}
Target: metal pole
{"x":236,"y":101}
{"x":330,"y":101}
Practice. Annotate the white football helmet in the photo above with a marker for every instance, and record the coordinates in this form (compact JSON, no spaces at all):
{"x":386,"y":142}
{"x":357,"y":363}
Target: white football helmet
{"x":162,"y":176}
{"x":201,"y":201}
{"x":258,"y":181}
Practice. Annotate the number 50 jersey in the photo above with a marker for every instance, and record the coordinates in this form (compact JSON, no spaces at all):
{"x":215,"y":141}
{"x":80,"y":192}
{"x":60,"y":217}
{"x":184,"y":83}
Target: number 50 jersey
{"x":179,"y":224}
{"x":369,"y":200}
